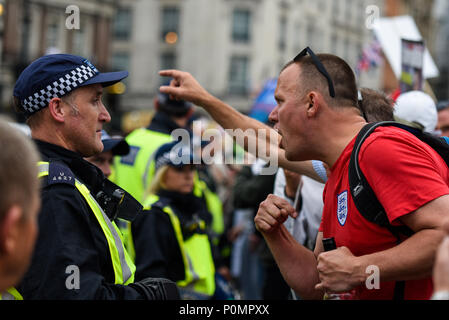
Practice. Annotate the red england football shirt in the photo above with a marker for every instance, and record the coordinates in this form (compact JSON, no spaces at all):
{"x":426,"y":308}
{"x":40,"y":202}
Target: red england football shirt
{"x":405,"y":174}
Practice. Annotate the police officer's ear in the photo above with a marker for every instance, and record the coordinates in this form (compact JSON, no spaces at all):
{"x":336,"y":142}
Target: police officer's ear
{"x":57,"y":109}
{"x":10,"y":226}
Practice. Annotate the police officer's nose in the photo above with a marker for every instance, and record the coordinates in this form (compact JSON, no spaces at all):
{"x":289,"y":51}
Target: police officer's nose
{"x":104,"y":114}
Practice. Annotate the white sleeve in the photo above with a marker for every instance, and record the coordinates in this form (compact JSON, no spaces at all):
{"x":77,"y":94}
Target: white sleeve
{"x":320,"y":169}
{"x":279,"y":185}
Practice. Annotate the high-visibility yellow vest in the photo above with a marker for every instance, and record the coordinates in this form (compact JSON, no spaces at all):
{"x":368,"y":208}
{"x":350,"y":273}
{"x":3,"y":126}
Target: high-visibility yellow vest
{"x":135,"y":171}
{"x":11,"y":294}
{"x":199,"y":268}
{"x":214,"y":205}
{"x":122,"y":264}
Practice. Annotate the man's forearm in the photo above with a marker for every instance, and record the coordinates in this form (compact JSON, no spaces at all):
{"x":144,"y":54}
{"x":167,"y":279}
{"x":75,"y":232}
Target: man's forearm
{"x":296,"y":263}
{"x":230,"y":118}
{"x":412,"y":259}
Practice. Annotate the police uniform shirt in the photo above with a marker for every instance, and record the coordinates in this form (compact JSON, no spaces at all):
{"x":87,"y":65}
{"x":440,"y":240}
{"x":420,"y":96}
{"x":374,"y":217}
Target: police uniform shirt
{"x":70,"y":237}
{"x":157,"y":248}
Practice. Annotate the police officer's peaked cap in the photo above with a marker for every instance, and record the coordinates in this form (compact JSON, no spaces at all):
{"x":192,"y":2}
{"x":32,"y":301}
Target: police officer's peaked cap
{"x":55,"y":75}
{"x":173,"y":107}
{"x":175,"y":154}
{"x":117,"y":145}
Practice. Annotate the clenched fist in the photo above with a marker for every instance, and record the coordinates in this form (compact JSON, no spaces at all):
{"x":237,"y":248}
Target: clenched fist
{"x":272,"y":213}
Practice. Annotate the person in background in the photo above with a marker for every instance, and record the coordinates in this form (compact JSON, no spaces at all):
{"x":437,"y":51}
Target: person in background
{"x":19,"y":206}
{"x":134,"y":172}
{"x":113,"y":146}
{"x":171,"y":239}
{"x":251,"y":262}
{"x":443,"y":118}
{"x":375,"y":106}
{"x":418,"y":109}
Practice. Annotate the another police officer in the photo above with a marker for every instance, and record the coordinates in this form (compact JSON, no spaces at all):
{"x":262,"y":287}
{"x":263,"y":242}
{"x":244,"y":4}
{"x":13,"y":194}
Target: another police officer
{"x":176,"y":227}
{"x":135,"y":171}
{"x":79,"y":253}
{"x":113,"y":146}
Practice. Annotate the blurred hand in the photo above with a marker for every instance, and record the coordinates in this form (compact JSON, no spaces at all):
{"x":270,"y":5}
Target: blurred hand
{"x":184,"y":86}
{"x":235,"y":231}
{"x":272,"y":213}
{"x":254,"y":242}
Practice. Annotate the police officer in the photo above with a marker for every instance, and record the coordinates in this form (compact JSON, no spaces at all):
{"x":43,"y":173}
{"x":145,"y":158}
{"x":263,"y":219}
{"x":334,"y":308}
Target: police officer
{"x":113,"y":146}
{"x":79,"y":252}
{"x":135,"y":171}
{"x":175,"y":224}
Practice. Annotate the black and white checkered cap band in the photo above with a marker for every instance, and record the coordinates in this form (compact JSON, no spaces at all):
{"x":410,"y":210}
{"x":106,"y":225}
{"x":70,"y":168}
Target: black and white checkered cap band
{"x":58,"y":88}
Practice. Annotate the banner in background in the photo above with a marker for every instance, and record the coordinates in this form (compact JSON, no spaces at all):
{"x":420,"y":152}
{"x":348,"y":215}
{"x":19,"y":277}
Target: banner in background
{"x":412,"y":65}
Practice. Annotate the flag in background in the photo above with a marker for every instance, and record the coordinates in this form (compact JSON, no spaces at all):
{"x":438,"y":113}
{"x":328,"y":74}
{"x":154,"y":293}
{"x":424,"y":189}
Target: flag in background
{"x":371,"y":57}
{"x":264,"y":102}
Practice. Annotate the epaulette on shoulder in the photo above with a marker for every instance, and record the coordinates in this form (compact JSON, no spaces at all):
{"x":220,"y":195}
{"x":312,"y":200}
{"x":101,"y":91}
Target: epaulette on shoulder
{"x":161,"y":203}
{"x":60,"y":173}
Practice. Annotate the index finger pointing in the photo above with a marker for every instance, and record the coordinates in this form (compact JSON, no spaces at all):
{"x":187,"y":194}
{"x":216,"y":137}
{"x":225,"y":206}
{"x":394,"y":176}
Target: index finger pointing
{"x":170,"y":73}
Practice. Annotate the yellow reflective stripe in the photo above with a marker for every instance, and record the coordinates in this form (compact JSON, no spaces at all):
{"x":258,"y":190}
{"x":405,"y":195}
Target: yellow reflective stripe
{"x":190,"y":273}
{"x":203,"y":263}
{"x":42,"y":169}
{"x":122,"y":264}
{"x":11,"y":294}
{"x":130,"y":243}
{"x":197,"y":186}
{"x":122,"y":270}
{"x":197,"y":245}
{"x":213,"y":202}
{"x":188,"y":268}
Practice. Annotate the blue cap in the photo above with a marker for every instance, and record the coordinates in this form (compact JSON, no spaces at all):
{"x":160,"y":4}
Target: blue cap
{"x":179,"y":153}
{"x":443,"y":105}
{"x":55,"y":75}
{"x":173,"y":107}
{"x":118,"y":146}
{"x":175,"y":154}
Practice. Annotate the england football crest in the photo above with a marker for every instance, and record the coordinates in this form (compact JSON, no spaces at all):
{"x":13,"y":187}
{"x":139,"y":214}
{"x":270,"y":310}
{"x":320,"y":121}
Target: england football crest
{"x":342,"y":207}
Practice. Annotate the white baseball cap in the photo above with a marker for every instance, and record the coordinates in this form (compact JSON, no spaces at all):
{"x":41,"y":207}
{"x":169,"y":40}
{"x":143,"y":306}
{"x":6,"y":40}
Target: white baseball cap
{"x":417,"y":107}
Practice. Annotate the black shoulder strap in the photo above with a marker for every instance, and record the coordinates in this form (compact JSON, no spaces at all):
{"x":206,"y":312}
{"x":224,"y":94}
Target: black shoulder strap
{"x":365,"y":199}
{"x":363,"y":195}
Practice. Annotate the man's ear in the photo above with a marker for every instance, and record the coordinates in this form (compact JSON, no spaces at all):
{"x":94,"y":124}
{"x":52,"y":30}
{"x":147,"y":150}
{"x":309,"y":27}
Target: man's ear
{"x":312,"y":109}
{"x":57,"y":110}
{"x":9,"y":229}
